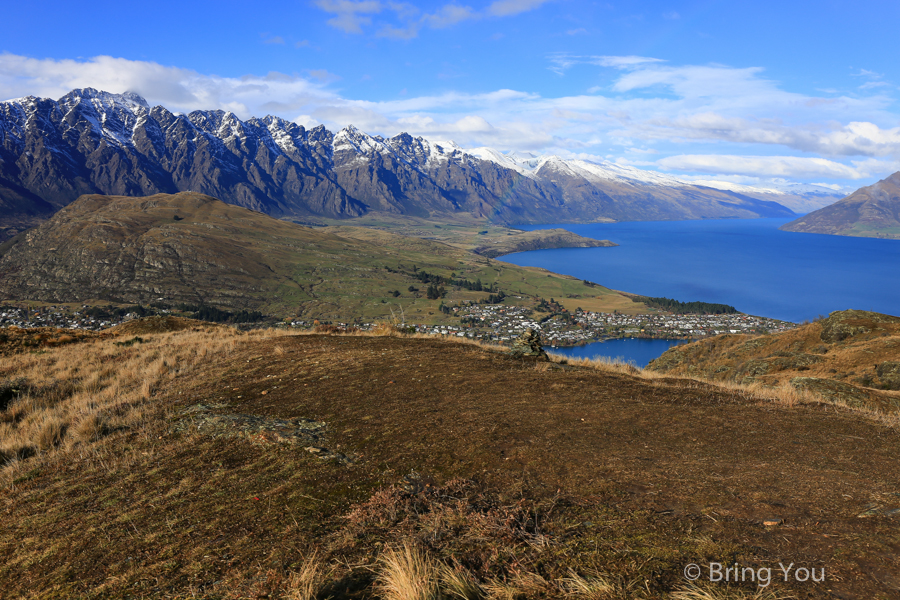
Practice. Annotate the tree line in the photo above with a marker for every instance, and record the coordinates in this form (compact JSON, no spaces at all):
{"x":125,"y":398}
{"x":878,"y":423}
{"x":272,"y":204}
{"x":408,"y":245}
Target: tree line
{"x":678,"y":307}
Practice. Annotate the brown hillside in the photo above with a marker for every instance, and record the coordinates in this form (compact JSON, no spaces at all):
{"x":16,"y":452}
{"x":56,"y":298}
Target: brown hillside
{"x":871,"y":211}
{"x":257,"y":453}
{"x":194,"y":249}
{"x":853,"y":356}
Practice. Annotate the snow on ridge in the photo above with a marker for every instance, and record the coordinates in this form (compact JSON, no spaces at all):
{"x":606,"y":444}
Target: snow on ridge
{"x":736,"y":187}
{"x":503,"y":160}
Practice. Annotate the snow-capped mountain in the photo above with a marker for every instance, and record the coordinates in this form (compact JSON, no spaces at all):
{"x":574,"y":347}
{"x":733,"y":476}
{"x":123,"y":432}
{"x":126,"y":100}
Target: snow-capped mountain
{"x":90,"y":141}
{"x":796,"y":196}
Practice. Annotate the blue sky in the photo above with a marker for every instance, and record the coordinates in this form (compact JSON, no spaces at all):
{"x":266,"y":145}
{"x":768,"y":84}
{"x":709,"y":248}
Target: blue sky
{"x":748,"y":92}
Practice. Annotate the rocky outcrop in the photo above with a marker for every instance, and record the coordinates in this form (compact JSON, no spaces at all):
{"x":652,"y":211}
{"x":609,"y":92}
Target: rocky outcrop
{"x":889,"y":374}
{"x":844,"y":324}
{"x":529,"y":345}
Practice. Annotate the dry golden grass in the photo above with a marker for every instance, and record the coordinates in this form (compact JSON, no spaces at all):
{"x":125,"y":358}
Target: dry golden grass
{"x":694,"y":592}
{"x":77,"y":394}
{"x":457,"y":582}
{"x":781,"y":393}
{"x":593,"y":587}
{"x":73,"y":395}
{"x":407,"y":573}
{"x":309,"y":582}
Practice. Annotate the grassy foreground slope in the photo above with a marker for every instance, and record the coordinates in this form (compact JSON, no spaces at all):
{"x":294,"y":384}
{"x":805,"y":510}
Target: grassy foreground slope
{"x":214,"y":464}
{"x":191,"y":248}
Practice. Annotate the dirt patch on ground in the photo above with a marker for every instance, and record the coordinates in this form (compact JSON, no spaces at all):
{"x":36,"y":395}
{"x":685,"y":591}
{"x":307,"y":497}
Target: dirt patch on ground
{"x":501,"y":466}
{"x":209,"y":420}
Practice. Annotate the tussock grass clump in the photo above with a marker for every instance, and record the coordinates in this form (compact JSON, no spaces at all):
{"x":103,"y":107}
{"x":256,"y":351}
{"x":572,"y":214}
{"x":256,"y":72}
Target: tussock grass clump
{"x":458,"y":583}
{"x":407,"y":573}
{"x":695,"y":592}
{"x":309,"y":583}
{"x":592,"y":587}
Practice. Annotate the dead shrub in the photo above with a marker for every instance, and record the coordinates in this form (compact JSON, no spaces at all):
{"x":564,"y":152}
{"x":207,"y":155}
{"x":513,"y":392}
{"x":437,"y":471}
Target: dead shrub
{"x":384,"y":329}
{"x":459,"y":516}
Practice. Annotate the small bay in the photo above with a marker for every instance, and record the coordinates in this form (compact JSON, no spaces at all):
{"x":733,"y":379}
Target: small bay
{"x":637,"y":351}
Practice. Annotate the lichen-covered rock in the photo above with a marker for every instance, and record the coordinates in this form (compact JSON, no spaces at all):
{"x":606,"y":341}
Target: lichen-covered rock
{"x":529,"y":344}
{"x":843,"y":324}
{"x":310,"y":435}
{"x":889,"y":374}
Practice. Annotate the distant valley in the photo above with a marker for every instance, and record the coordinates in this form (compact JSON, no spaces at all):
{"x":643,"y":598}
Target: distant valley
{"x":93,"y":142}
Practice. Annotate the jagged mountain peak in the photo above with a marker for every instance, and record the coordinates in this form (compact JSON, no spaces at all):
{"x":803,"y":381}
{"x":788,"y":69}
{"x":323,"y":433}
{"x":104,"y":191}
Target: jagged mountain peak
{"x":129,"y":100}
{"x":92,"y":142}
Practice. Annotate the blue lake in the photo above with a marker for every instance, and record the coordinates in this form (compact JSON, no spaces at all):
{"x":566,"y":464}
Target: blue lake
{"x":747,"y":263}
{"x":639,"y":351}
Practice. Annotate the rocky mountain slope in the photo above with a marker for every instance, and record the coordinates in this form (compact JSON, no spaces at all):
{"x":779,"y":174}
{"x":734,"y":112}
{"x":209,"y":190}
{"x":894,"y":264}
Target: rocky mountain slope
{"x":93,"y":142}
{"x":853,"y":357}
{"x":872,"y":211}
{"x":194,"y":249}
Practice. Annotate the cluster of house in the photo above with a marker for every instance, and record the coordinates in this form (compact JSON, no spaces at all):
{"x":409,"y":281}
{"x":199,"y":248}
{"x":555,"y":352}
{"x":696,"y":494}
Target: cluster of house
{"x":504,"y":323}
{"x":678,"y":326}
{"x":55,"y":316}
{"x":493,"y":322}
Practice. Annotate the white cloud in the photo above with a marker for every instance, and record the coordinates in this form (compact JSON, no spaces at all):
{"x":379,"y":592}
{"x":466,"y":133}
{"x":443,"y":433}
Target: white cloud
{"x":449,"y":14}
{"x":645,"y":109}
{"x":350,"y":16}
{"x":770,"y":166}
{"x":561,"y":62}
{"x":180,"y":90}
{"x":407,"y":22}
{"x":503,"y":8}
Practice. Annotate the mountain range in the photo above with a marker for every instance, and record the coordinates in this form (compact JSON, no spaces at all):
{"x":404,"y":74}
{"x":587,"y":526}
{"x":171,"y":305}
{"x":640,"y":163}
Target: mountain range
{"x":94,"y":142}
{"x":871,"y":211}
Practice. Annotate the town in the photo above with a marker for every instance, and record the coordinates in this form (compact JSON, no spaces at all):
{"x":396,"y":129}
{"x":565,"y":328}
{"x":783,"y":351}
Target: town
{"x":503,"y":323}
{"x":499,"y":323}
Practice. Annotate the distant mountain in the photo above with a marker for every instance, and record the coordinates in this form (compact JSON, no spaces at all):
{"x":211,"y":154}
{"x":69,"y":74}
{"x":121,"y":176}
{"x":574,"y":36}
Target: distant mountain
{"x":872,"y":211}
{"x":91,"y":142}
{"x":799,"y":197}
